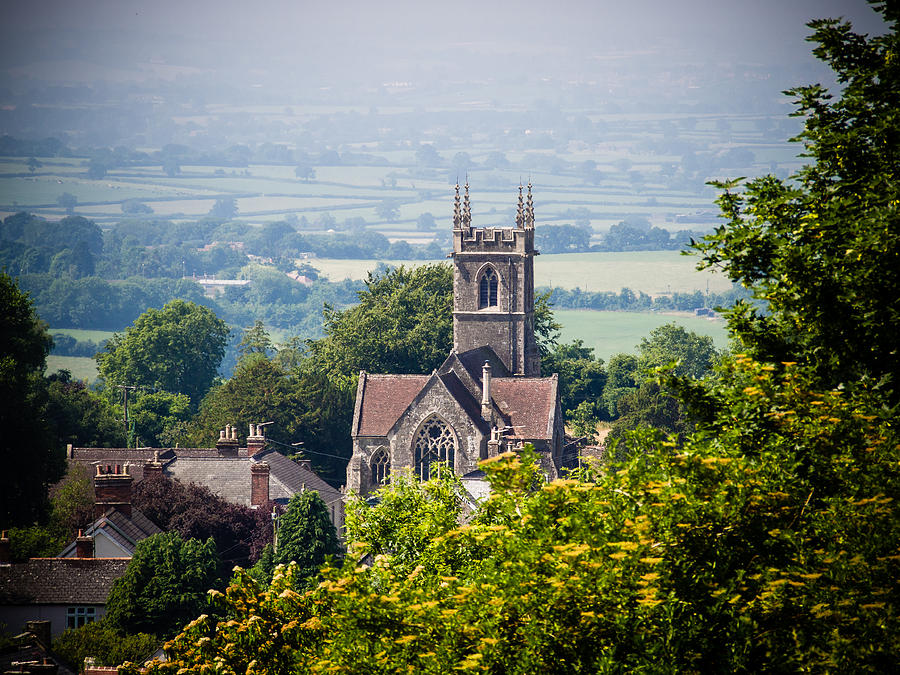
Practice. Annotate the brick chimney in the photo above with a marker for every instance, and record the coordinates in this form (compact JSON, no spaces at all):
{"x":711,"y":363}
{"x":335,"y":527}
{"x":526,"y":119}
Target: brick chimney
{"x":259,"y":483}
{"x":84,"y":546}
{"x":227,"y":445}
{"x":305,"y":464}
{"x":4,"y":548}
{"x":256,"y":440}
{"x":153,"y":467}
{"x":112,"y":489}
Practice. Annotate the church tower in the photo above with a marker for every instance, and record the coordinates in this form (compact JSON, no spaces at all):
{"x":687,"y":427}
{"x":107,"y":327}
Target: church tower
{"x":493,"y":286}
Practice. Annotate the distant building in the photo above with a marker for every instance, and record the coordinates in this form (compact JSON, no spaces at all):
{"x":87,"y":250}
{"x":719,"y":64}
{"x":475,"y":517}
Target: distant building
{"x":488,"y":396}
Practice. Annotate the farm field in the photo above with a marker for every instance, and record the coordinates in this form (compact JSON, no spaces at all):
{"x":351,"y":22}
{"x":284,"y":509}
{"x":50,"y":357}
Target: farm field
{"x":83,"y":334}
{"x":81,"y":367}
{"x":620,"y":332}
{"x":653,"y":272}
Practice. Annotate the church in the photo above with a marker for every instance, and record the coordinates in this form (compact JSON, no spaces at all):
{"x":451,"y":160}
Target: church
{"x":488,"y":396}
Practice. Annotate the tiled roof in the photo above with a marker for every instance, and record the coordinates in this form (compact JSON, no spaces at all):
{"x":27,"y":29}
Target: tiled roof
{"x":125,"y":531}
{"x":471,"y":406}
{"x":45,"y":581}
{"x":381,"y":399}
{"x":530,"y":403}
{"x":228,"y":477}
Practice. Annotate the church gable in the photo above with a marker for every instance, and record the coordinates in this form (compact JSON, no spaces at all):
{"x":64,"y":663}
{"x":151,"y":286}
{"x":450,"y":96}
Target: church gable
{"x":381,"y":399}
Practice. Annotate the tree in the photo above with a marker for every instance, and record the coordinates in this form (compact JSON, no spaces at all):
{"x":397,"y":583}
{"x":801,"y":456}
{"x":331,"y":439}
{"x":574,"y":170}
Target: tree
{"x":388,"y":210}
{"x":96,"y":169}
{"x":152,"y":413}
{"x":305,"y":172}
{"x":224,"y":209}
{"x":78,"y":416}
{"x":426,"y":222}
{"x":29,"y":458}
{"x":176,"y":348}
{"x":693,"y":354}
{"x":164,"y":585}
{"x":305,"y":534}
{"x":195,"y":512}
{"x":67,"y":201}
{"x":255,"y":341}
{"x":104,"y":644}
{"x":821,"y":249}
{"x":34,"y":164}
{"x":135,"y":207}
{"x":402,"y":324}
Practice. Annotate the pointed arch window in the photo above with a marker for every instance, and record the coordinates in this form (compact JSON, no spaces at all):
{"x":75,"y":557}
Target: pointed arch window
{"x":487,"y":289}
{"x":380,"y":466}
{"x":435,"y":442}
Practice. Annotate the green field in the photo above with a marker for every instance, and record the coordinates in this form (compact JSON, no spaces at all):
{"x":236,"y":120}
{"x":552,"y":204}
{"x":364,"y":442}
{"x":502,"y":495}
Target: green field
{"x":81,"y":367}
{"x":620,"y":332}
{"x":653,"y":272}
{"x":83,"y":335}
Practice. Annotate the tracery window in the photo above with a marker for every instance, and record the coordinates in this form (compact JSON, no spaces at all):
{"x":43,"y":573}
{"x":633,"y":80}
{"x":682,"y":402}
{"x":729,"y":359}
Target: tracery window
{"x":435,"y":442}
{"x":487,"y":289}
{"x":381,"y":467}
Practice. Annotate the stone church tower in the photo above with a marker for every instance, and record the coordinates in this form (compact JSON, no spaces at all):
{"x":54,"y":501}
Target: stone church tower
{"x":488,"y":396}
{"x":493,"y":287}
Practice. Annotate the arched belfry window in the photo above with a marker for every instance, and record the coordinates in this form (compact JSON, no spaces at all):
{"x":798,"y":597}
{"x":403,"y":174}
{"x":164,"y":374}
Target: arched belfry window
{"x":435,"y":442}
{"x":487,"y":289}
{"x":381,"y":467}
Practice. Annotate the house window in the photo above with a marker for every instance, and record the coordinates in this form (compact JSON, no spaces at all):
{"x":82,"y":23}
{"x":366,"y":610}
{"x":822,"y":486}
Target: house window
{"x":381,"y":467}
{"x":76,"y":617}
{"x":487,"y":289}
{"x":435,"y":442}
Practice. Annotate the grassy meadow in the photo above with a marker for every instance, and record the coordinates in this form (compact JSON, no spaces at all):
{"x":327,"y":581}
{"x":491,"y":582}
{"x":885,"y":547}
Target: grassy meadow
{"x":81,"y":367}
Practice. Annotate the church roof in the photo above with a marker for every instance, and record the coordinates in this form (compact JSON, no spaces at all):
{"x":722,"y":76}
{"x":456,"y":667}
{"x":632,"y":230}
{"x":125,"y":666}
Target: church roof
{"x":529,"y":402}
{"x":381,"y":399}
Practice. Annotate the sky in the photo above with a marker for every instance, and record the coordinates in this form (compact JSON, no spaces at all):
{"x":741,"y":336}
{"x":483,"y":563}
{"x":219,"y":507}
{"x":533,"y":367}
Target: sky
{"x":347,"y":40}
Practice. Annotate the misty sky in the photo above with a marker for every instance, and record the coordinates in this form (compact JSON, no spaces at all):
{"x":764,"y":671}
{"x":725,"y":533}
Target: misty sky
{"x":348,"y":41}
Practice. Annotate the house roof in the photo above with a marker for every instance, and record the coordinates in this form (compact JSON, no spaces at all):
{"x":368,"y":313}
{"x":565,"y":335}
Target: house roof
{"x":123,"y":530}
{"x":51,"y":581}
{"x":528,"y":402}
{"x":228,"y":477}
{"x":381,"y":399}
{"x":292,"y":477}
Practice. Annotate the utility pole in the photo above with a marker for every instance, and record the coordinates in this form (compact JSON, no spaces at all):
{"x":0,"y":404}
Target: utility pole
{"x":129,"y":431}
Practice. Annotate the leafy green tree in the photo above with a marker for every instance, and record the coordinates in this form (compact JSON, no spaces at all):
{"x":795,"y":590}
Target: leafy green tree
{"x":822,"y":248}
{"x":426,"y":222}
{"x":305,"y":534}
{"x":177,"y":348}
{"x":388,"y":210}
{"x":581,"y":376}
{"x":107,"y":646}
{"x":26,"y":447}
{"x":305,"y":172}
{"x":622,"y":377}
{"x":693,"y":354}
{"x":164,"y":586}
{"x":77,"y":415}
{"x":256,"y":340}
{"x":34,"y":164}
{"x":152,"y":413}
{"x":402,"y":324}
{"x":224,"y":209}
{"x":68,"y":201}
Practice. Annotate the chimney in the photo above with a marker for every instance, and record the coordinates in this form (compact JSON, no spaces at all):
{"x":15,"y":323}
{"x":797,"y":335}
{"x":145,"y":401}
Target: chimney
{"x":84,"y":546}
{"x":256,"y":441}
{"x":112,"y":489}
{"x":486,"y":407}
{"x":494,"y":443}
{"x":305,"y":464}
{"x":227,"y":445}
{"x":259,"y":483}
{"x":153,"y":467}
{"x":4,"y":548}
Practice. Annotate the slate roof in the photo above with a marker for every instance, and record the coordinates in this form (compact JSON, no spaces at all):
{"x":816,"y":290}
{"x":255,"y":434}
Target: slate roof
{"x":381,"y":399}
{"x":287,"y":477}
{"x":125,"y":531}
{"x":52,"y":581}
{"x":228,"y":477}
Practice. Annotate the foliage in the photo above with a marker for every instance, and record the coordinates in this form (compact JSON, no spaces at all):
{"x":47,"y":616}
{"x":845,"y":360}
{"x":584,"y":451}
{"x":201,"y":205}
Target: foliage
{"x":153,"y":413}
{"x":164,"y":585}
{"x":822,"y":249}
{"x":693,"y":355}
{"x":78,"y":416}
{"x":176,"y":348}
{"x":195,"y":512}
{"x":255,"y":340}
{"x":71,"y":509}
{"x":107,"y":646}
{"x":402,"y":324}
{"x":29,"y":458}
{"x":581,"y":378}
{"x":304,"y":406}
{"x":305,"y":535}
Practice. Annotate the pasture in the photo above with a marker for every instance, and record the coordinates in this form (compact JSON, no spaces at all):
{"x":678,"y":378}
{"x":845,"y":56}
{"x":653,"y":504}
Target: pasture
{"x":653,"y":272}
{"x":81,"y":367}
{"x":612,"y":333}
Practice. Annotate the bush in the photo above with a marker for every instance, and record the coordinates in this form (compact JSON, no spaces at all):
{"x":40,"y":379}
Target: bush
{"x":103,"y":643}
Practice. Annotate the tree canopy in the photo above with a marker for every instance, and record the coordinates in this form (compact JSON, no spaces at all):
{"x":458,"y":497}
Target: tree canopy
{"x":177,"y":348}
{"x":305,"y":534}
